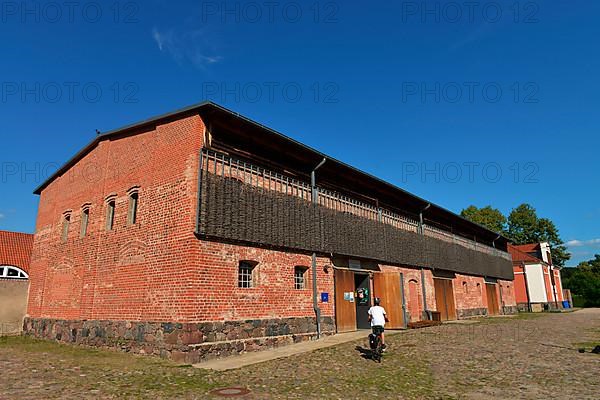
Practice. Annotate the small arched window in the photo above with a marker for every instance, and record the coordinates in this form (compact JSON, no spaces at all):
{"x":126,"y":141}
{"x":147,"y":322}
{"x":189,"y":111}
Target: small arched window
{"x":479,"y":288}
{"x":111,"y":205}
{"x":85,"y":220}
{"x":11,"y":272}
{"x":465,"y":287}
{"x":132,"y":212}
{"x":65,"y":226}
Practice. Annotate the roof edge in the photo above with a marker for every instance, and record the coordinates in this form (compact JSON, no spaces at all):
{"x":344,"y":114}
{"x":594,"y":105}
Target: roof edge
{"x":197,"y":108}
{"x":85,"y":150}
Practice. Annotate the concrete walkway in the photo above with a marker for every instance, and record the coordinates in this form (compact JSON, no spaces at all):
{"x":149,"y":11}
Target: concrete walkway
{"x":235,"y":362}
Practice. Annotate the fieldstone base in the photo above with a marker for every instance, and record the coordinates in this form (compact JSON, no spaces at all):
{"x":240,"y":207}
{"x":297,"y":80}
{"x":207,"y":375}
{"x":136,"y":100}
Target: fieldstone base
{"x":539,"y":307}
{"x":181,"y":342}
{"x":471,"y":312}
{"x":509,"y":310}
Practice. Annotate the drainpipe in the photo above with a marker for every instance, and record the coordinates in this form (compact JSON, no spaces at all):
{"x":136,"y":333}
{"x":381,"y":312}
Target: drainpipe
{"x":501,"y":297}
{"x":423,"y":289}
{"x":526,"y":288}
{"x":553,"y":283}
{"x":494,"y":241}
{"x":315,"y":198}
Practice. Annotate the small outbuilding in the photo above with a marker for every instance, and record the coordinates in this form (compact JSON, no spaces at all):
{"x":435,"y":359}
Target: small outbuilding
{"x":15,"y":256}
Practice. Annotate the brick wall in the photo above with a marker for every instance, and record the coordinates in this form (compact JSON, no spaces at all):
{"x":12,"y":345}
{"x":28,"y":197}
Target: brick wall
{"x":218,"y":297}
{"x":508,"y":293}
{"x":469,"y":295}
{"x":133,"y":272}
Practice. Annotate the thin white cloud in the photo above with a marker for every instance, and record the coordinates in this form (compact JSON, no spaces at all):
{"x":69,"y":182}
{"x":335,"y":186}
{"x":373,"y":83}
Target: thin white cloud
{"x":185,"y":47}
{"x":582,"y":243}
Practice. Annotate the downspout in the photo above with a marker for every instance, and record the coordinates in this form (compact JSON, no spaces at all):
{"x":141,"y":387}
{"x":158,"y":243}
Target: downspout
{"x":501,"y":297}
{"x":526,"y":287}
{"x":494,"y":241}
{"x":404,"y":319}
{"x":315,"y":198}
{"x":553,"y":283}
{"x":423,"y":289}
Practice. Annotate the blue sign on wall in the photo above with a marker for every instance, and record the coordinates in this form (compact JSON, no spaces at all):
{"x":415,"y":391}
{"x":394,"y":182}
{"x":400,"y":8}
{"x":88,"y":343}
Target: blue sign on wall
{"x":325,"y":297}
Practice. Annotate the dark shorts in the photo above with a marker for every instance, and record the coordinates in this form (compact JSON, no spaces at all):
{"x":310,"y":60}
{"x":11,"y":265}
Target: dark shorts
{"x":377,"y":329}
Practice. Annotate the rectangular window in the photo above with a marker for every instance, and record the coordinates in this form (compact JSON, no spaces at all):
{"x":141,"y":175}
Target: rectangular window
{"x":65,"y":229}
{"x":85,"y":218}
{"x":133,"y":206}
{"x":110,"y":216}
{"x":299,"y":280}
{"x":245,"y":272}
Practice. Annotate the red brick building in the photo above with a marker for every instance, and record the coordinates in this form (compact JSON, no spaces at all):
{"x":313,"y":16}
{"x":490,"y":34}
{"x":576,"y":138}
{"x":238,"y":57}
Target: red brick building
{"x":201,"y":233}
{"x":15,"y":255}
{"x":538,"y":283}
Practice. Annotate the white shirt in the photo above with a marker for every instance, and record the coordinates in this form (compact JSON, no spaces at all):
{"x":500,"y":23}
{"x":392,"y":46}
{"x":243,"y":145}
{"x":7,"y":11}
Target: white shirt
{"x":377,"y":314}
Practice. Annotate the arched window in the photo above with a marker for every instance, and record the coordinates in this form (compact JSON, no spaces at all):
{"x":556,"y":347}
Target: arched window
{"x":65,"y":226}
{"x":111,"y":205}
{"x":85,"y":220}
{"x":132,"y":212}
{"x":465,"y":287}
{"x":11,"y":272}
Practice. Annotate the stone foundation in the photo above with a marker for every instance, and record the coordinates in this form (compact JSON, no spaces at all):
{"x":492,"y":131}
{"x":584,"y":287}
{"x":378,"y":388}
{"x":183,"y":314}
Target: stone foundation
{"x":539,"y":307}
{"x":508,"y":310}
{"x":181,"y":342}
{"x":471,"y":312}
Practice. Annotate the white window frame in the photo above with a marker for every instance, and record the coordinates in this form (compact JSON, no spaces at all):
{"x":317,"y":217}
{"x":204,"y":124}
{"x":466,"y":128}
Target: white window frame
{"x":4,"y":272}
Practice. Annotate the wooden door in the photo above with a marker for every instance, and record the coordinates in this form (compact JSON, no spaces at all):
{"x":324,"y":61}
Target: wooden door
{"x":444,"y":299}
{"x":386,"y":286}
{"x":492,"y":299}
{"x":345,"y":310}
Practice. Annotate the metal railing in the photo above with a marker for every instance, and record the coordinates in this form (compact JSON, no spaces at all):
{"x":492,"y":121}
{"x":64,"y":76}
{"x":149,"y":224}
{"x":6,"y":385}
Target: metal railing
{"x":224,"y":165}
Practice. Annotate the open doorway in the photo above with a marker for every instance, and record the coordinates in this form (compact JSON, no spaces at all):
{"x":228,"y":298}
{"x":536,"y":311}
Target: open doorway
{"x":363,"y":300}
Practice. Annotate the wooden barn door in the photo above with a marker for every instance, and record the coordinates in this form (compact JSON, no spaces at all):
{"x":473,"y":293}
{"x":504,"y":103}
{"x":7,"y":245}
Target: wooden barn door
{"x":345,"y":310}
{"x":444,"y":299}
{"x":386,"y":286}
{"x":492,"y":299}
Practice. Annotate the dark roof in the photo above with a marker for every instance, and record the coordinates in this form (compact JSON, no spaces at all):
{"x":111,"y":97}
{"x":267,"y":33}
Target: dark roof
{"x":235,"y":131}
{"x":15,"y":249}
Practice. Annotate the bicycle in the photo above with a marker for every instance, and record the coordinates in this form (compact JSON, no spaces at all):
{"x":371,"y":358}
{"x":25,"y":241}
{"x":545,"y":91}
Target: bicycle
{"x":375,"y":342}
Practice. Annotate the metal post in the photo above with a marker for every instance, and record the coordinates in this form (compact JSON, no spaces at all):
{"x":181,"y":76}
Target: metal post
{"x":199,"y":203}
{"x":423,"y":288}
{"x":315,"y":199}
{"x":404,"y":319}
{"x":527,"y":287}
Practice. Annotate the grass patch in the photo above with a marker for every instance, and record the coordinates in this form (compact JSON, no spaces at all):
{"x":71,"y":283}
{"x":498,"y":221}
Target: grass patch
{"x":80,"y":369}
{"x":338,"y":372}
{"x":522,"y":316}
{"x":587,"y":345}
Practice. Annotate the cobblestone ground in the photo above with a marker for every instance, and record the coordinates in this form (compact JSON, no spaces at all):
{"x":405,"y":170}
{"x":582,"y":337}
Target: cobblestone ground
{"x":525,"y":357}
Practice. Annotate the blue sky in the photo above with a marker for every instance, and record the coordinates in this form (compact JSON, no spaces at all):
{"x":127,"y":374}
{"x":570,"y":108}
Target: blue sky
{"x":461,"y":103}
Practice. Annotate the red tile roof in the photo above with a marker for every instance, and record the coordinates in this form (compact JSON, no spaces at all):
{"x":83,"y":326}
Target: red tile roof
{"x":519,"y":253}
{"x":15,"y":249}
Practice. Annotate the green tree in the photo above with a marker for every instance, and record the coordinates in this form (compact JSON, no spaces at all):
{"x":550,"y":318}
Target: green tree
{"x":524,"y":226}
{"x":487,"y":216}
{"x":584,"y":281}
